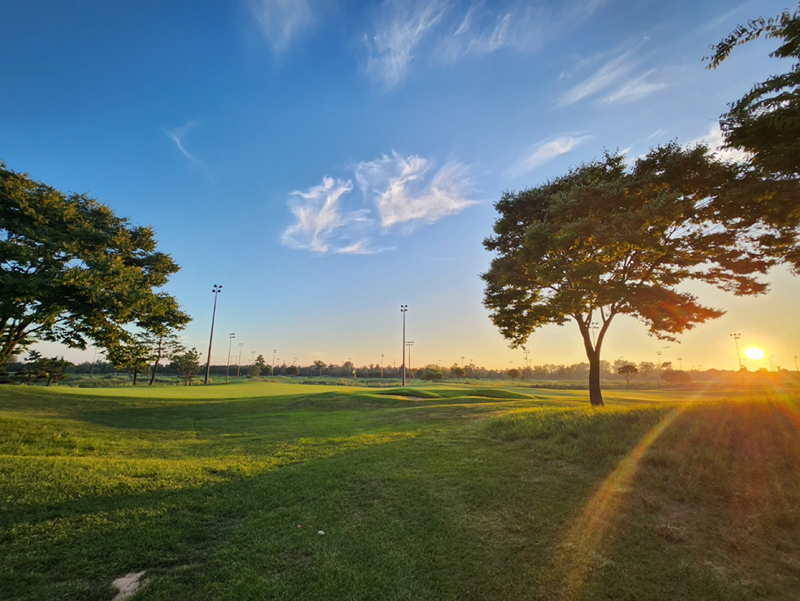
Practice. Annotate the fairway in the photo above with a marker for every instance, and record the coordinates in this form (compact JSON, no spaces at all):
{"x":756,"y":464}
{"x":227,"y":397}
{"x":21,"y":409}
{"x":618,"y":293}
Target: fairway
{"x":281,"y":491}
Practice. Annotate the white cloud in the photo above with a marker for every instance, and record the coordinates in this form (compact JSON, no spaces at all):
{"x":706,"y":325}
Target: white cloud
{"x":546,"y":151}
{"x":281,"y":21}
{"x":403,"y":193}
{"x":487,"y":32}
{"x":659,"y":132}
{"x":399,"y":34}
{"x":601,"y":79}
{"x":714,"y":140}
{"x":441,"y":30}
{"x":362,"y":247}
{"x":177,"y":135}
{"x":635,"y":88}
{"x":318,"y":215}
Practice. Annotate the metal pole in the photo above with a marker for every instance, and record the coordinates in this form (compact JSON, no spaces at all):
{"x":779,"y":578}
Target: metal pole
{"x":738,"y":355}
{"x":230,"y":343}
{"x":403,"y":309}
{"x":795,"y":360}
{"x":216,"y":290}
{"x":239,"y":368}
{"x":273,"y":361}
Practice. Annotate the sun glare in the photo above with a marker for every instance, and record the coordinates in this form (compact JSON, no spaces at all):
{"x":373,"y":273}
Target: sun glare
{"x":754,"y":353}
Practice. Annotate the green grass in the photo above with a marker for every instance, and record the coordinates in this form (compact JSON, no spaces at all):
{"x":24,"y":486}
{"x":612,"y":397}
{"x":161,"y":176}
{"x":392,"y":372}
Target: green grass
{"x":433,"y":492}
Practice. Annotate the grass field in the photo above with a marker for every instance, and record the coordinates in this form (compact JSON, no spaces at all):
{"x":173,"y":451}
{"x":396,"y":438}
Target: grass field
{"x":442,"y":492}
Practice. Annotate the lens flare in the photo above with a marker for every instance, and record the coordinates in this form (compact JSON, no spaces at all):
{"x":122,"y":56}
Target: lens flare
{"x":754,"y":353}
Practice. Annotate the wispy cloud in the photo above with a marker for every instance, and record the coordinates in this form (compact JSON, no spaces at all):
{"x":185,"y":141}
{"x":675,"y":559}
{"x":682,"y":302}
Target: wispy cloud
{"x":177,"y":136}
{"x":404,"y":193}
{"x":362,"y":247}
{"x":444,"y":31}
{"x":603,"y":78}
{"x":402,"y":30}
{"x":659,"y":132}
{"x":280,"y":22}
{"x":318,"y":215}
{"x":636,"y":88}
{"x":546,"y":151}
{"x":483,"y":31}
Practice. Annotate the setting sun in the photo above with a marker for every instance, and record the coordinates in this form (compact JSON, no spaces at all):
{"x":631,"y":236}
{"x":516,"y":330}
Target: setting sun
{"x":754,"y":353}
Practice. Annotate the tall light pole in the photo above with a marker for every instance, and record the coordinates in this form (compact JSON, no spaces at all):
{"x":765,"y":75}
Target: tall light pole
{"x":736,"y":342}
{"x":216,"y":290}
{"x":273,"y":361}
{"x":252,"y":357}
{"x":231,"y":336}
{"x":403,"y":309}
{"x":409,"y":344}
{"x":659,"y":361}
{"x":527,"y":368}
{"x":382,"y":364}
{"x":593,"y":327}
{"x":239,"y":367}
{"x":795,"y":364}
{"x":680,"y":363}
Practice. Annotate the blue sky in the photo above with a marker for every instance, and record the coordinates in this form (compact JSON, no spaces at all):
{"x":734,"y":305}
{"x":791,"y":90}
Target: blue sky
{"x":326,"y":161}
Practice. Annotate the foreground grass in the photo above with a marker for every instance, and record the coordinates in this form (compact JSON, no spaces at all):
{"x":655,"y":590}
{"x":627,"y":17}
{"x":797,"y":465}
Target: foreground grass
{"x":438,"y":493}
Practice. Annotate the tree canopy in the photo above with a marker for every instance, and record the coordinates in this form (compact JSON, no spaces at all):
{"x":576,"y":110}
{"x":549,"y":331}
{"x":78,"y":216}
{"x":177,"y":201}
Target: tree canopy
{"x":607,"y":240}
{"x":71,"y":271}
{"x":765,"y":124}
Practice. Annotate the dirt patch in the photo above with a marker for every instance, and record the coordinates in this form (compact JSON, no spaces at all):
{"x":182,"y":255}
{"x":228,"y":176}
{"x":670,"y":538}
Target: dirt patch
{"x":129,"y":585}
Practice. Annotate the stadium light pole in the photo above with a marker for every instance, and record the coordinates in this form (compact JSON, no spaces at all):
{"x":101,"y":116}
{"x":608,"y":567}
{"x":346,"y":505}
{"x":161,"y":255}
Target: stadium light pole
{"x":216,"y":290}
{"x":239,"y":367}
{"x":527,"y":367}
{"x":273,"y":361}
{"x":736,"y":342}
{"x":680,"y":363}
{"x":231,"y":336}
{"x":403,"y":309}
{"x":409,"y":344}
{"x":382,"y":364}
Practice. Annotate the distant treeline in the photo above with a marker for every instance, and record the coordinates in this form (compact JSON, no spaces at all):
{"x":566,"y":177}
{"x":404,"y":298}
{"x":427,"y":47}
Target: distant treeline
{"x":644,"y":371}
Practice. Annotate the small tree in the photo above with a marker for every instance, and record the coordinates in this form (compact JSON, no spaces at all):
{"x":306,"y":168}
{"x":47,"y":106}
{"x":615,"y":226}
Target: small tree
{"x":627,"y":372}
{"x":458,"y":371}
{"x":186,"y":364}
{"x":513,"y":373}
{"x":676,"y":377}
{"x":132,"y":356}
{"x":319,"y":366}
{"x":431,"y":375}
{"x":605,"y":240}
{"x":291,"y":370}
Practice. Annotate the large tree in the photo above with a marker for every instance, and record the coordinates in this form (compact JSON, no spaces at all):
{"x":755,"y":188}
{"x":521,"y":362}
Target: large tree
{"x":607,"y":240}
{"x":71,"y":271}
{"x":765,"y":124}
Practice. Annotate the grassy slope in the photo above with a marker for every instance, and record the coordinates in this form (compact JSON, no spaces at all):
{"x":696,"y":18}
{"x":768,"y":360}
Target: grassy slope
{"x":455,"y":496}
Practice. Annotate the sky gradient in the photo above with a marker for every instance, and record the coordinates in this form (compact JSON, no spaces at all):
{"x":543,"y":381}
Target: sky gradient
{"x":327,"y":161}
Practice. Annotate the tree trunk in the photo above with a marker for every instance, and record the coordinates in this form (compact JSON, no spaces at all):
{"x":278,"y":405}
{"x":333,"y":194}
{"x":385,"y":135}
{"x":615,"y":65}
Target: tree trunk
{"x":135,"y":375}
{"x":595,"y":396}
{"x":158,"y":358}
